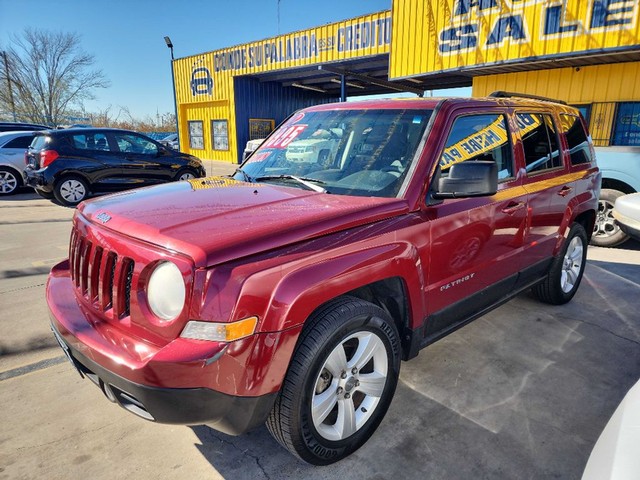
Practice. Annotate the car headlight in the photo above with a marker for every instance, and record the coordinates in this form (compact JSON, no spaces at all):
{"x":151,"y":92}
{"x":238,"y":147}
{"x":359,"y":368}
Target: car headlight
{"x":166,"y":291}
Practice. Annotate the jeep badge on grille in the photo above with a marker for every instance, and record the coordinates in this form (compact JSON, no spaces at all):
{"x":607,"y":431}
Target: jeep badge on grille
{"x":103,"y":217}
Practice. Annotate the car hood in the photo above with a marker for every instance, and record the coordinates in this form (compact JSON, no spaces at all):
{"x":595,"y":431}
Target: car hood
{"x":217,"y":219}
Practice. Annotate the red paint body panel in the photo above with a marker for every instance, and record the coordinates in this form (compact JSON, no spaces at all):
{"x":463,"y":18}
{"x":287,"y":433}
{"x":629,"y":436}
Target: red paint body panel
{"x":278,"y":253}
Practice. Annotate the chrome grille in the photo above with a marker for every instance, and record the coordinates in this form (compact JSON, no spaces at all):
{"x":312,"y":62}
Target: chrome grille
{"x":101,"y":276}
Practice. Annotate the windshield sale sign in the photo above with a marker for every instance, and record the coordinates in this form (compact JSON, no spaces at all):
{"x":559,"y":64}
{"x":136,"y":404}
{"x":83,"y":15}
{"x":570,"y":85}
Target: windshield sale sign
{"x":456,"y":34}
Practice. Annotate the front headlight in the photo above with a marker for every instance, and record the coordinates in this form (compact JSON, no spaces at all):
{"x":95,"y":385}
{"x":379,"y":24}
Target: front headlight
{"x":166,"y":291}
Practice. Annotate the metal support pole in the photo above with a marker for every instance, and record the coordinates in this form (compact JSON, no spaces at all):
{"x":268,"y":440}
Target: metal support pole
{"x":6,"y":73}
{"x":343,"y":89}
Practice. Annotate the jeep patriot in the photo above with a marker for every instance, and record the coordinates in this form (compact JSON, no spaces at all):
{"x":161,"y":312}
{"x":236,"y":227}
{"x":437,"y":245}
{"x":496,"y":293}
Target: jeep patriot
{"x":289,"y":292}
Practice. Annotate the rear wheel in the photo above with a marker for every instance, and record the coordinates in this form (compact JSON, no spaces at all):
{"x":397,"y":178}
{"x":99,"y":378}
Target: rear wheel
{"x":566,"y":271}
{"x":10,"y":181}
{"x":340,"y":382}
{"x":71,"y":190}
{"x":606,"y":232}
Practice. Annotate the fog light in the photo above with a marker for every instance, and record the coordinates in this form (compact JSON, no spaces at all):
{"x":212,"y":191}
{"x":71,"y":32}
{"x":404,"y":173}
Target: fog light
{"x":220,"y":332}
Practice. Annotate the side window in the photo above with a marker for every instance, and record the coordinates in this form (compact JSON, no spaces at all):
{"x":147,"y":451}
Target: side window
{"x":90,"y":141}
{"x":540,"y":141}
{"x":476,"y":138}
{"x":577,"y":139}
{"x":19,"y":142}
{"x":129,"y":143}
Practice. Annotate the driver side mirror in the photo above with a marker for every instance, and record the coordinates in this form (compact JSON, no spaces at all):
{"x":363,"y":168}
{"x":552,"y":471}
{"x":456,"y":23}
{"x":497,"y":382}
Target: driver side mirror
{"x":468,"y":179}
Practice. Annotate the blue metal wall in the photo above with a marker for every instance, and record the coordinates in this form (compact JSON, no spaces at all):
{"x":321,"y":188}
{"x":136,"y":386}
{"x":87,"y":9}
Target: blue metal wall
{"x":254,"y":99}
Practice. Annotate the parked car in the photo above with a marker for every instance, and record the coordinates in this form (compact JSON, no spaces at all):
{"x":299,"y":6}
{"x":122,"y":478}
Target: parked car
{"x":615,"y":454}
{"x":250,"y":147}
{"x":290,"y":292}
{"x":69,"y":164}
{"x":171,"y":141}
{"x":13,"y":146}
{"x":627,"y":214}
{"x":620,"y":167}
{"x":21,"y":127}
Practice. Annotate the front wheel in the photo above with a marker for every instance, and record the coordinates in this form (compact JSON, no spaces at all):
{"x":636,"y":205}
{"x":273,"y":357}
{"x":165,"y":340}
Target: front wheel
{"x":186,"y":174}
{"x":606,"y":232}
{"x":340,"y":382}
{"x":565,"y":274}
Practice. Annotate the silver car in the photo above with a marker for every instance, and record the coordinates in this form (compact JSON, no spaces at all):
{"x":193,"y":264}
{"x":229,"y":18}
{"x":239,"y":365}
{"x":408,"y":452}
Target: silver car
{"x":12,"y":148}
{"x":627,"y":214}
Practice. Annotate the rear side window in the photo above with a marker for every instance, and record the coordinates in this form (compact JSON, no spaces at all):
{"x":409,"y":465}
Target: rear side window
{"x":39,"y":142}
{"x":478,"y":138}
{"x":540,"y":141}
{"x":19,"y":142}
{"x":577,"y":139}
{"x":90,"y":141}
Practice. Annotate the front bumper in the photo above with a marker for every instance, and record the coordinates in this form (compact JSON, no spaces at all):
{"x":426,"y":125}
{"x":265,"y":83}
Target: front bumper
{"x":230,"y":387}
{"x":230,"y":414}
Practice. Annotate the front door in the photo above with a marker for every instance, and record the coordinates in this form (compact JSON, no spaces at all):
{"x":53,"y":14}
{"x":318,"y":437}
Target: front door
{"x":141,"y":160}
{"x":474,"y":246}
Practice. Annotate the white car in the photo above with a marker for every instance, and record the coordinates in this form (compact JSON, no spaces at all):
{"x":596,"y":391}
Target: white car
{"x":627,"y":214}
{"x":12,"y":149}
{"x":615,"y":454}
{"x":252,"y":146}
{"x":171,"y":141}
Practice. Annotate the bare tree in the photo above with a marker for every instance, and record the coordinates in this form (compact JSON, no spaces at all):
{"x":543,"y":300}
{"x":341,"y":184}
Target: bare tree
{"x":49,"y":75}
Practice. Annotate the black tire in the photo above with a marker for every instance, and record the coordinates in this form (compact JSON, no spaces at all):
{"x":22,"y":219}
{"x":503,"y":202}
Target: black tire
{"x":185,"y":172}
{"x":43,"y":194}
{"x":565,"y":274}
{"x":606,"y":232}
{"x":71,"y":190}
{"x":10,"y":181}
{"x":328,"y":331}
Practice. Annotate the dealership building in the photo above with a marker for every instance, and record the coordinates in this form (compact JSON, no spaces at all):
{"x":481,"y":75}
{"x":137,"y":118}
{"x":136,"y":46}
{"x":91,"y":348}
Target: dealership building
{"x":584,"y":52}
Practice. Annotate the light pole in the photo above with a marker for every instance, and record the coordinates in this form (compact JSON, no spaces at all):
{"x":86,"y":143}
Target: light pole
{"x":6,"y":73}
{"x":167,"y":40}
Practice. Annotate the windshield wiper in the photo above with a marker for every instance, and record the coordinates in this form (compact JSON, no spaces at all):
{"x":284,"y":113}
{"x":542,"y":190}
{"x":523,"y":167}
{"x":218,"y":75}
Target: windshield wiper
{"x":245,"y":175}
{"x":301,"y":180}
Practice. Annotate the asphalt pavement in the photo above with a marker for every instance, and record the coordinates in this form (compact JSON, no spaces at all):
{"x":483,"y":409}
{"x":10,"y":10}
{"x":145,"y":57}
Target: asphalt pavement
{"x":522,"y":392}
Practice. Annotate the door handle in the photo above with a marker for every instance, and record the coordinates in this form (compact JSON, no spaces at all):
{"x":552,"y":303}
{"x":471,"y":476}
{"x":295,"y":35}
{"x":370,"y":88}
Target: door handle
{"x":513,"y":207}
{"x":564,"y":191}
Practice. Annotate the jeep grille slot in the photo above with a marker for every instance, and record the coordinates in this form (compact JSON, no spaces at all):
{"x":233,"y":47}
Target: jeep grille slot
{"x":101,"y":276}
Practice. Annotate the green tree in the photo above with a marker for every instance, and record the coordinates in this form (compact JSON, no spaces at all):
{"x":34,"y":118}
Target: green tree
{"x":44,"y":75}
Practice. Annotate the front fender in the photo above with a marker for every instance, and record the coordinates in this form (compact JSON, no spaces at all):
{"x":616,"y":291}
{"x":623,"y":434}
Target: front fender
{"x":301,"y":291}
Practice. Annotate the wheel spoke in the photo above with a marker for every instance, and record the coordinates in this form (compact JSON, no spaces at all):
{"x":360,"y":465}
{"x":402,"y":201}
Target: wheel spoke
{"x":372,"y":384}
{"x":346,"y":421}
{"x":367,"y":346}
{"x":337,"y":361}
{"x":323,"y":404}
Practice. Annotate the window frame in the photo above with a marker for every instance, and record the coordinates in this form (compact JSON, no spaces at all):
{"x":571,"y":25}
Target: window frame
{"x":562,"y":165}
{"x":506,"y":117}
{"x":192,"y":136}
{"x":224,"y":135}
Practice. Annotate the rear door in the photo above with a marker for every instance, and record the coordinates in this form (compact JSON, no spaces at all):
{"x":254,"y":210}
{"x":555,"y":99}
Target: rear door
{"x":143,"y":161}
{"x":548,"y":184}
{"x":475,"y":242}
{"x":91,"y":153}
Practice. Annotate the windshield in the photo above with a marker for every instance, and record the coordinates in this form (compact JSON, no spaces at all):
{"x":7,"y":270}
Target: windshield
{"x":345,"y":152}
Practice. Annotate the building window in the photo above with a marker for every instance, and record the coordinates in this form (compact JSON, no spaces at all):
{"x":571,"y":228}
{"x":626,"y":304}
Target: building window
{"x":196,"y":135}
{"x":260,"y":128}
{"x":626,"y":130}
{"x":220,"y":131}
{"x":585,"y":110}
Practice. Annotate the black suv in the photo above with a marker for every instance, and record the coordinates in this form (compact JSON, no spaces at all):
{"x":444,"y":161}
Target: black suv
{"x":69,"y":164}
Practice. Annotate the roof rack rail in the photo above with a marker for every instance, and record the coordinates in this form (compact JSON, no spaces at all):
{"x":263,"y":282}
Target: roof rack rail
{"x":503,"y":94}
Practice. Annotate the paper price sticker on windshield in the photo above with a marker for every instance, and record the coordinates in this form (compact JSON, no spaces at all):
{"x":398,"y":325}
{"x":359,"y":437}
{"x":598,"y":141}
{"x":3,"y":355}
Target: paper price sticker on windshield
{"x":285,"y":137}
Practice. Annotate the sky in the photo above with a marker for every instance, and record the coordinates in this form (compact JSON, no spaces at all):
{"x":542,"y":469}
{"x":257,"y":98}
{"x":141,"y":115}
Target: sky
{"x":127,"y":37}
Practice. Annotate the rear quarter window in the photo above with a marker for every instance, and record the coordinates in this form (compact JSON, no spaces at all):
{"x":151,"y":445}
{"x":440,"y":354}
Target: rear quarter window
{"x":39,"y":142}
{"x":577,"y":139}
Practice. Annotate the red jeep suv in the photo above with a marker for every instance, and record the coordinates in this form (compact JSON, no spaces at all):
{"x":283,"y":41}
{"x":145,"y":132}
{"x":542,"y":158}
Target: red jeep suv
{"x":290,"y":291}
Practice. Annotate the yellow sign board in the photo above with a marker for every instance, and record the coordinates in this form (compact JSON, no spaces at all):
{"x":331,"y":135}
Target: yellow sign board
{"x":432,"y":36}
